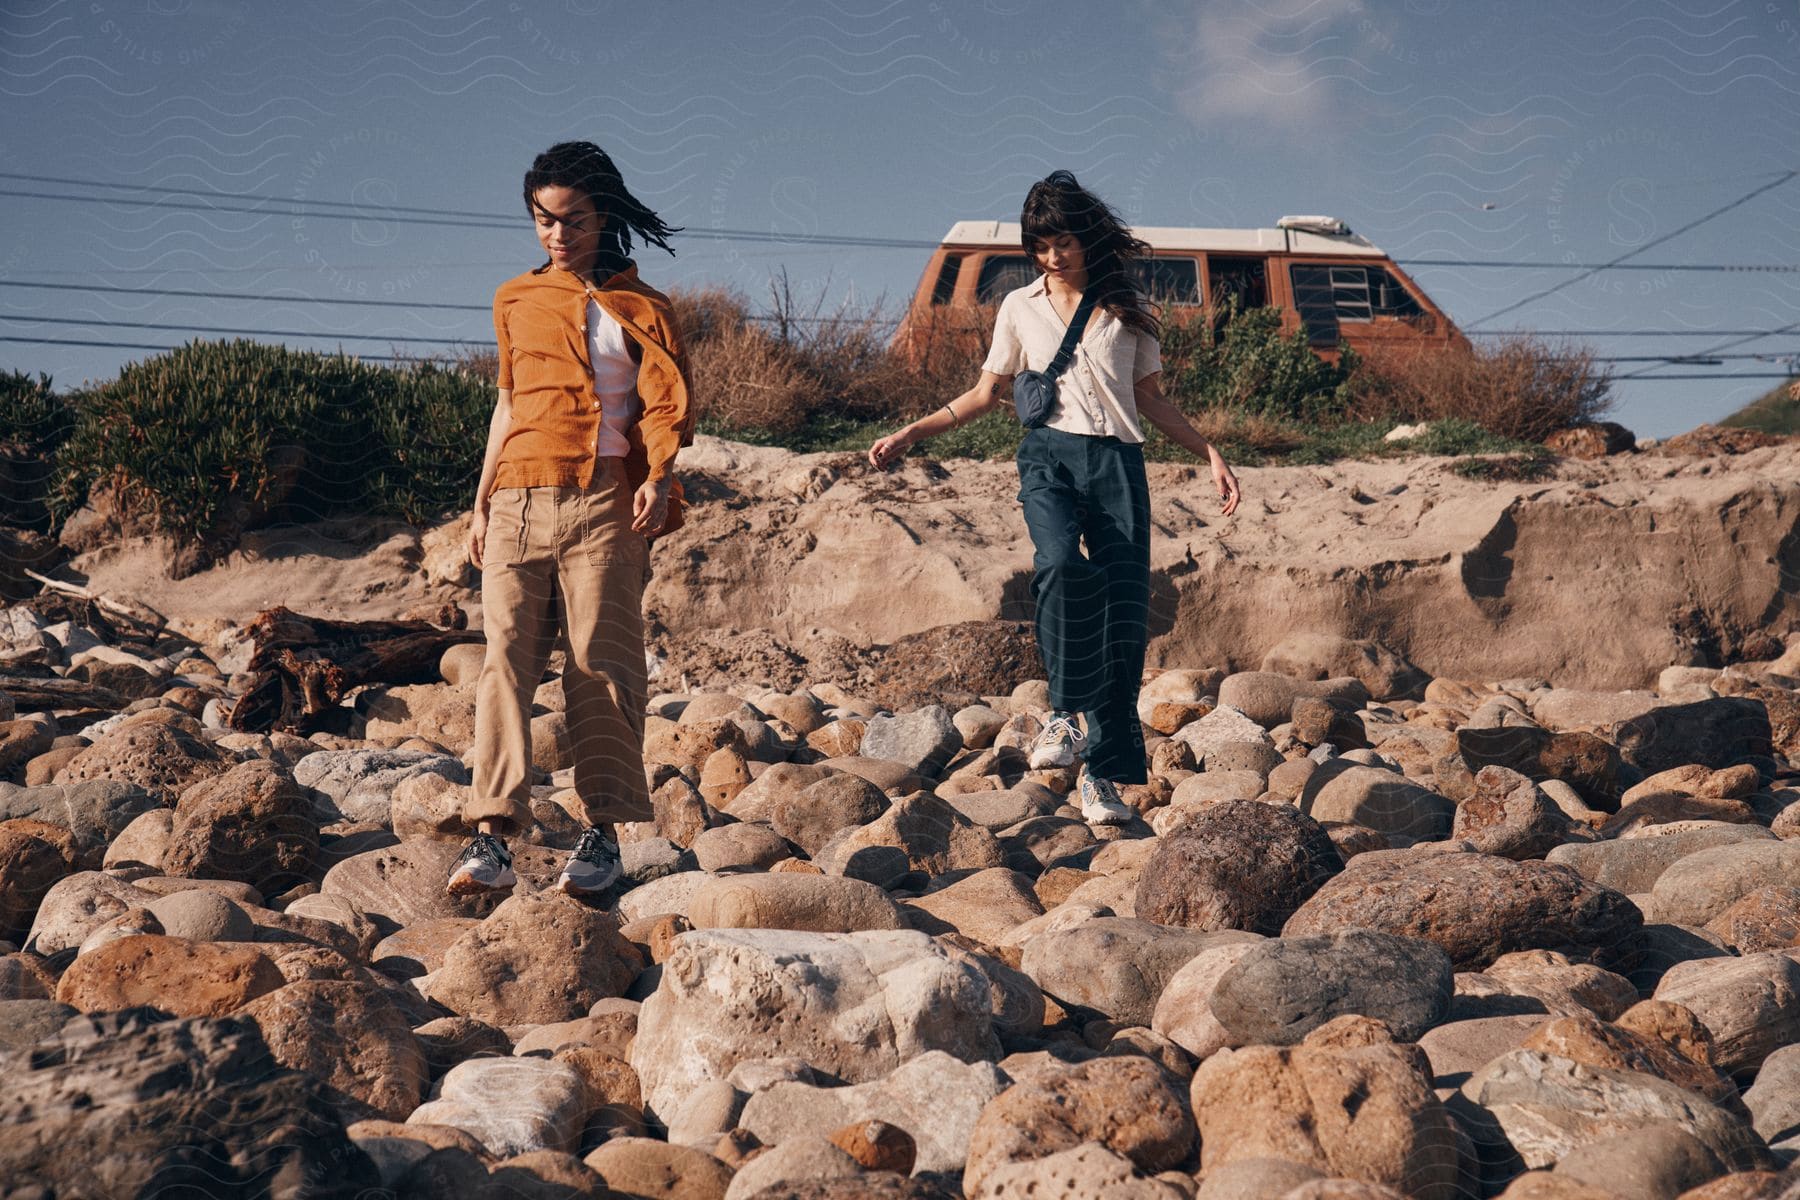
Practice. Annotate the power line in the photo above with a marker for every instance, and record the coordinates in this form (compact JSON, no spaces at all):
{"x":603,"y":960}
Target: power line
{"x":303,"y":333}
{"x":468,"y":218}
{"x":204,"y":295}
{"x":50,"y":341}
{"x":1786,"y":176}
{"x":1713,"y":351}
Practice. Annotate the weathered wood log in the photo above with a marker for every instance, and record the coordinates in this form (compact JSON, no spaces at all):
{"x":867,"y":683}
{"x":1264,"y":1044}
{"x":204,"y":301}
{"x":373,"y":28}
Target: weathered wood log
{"x":36,"y":694}
{"x":306,"y":665}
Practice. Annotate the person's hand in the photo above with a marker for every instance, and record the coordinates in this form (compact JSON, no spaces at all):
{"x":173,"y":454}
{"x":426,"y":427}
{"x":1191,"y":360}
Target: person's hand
{"x":650,"y":506}
{"x":889,"y":449}
{"x":1227,"y":484}
{"x":478,"y":535}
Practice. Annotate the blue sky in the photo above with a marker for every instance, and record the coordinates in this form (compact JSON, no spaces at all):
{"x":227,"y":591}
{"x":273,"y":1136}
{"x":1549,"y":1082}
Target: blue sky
{"x":1537,"y":131}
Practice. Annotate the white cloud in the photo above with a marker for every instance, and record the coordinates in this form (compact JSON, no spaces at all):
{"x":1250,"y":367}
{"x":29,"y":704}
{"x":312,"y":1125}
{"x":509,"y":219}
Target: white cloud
{"x":1273,"y":60}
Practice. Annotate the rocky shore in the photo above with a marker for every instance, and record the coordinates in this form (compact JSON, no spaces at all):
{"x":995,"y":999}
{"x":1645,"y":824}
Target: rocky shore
{"x":1378,"y":929}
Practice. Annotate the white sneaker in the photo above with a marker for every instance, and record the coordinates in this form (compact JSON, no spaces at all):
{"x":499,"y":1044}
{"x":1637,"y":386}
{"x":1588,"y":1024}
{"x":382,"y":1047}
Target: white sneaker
{"x":1100,"y":803}
{"x":1059,"y":745}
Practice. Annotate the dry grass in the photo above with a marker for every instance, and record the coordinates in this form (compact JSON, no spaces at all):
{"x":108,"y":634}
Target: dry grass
{"x":1517,"y":387}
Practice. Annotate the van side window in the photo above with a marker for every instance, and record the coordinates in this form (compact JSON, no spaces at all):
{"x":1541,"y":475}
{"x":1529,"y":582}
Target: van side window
{"x":1326,"y":295}
{"x":1170,"y":280}
{"x":945,"y":287}
{"x":1003,"y":273}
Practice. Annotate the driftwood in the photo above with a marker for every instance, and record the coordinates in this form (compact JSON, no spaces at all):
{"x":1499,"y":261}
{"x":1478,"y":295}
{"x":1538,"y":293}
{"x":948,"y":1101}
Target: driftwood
{"x":303,"y":667}
{"x":42,"y":694}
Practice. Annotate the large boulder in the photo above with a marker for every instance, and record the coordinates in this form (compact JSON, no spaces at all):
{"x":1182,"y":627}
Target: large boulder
{"x":252,"y":824}
{"x":935,"y":1097}
{"x":1184,"y":1012}
{"x":1282,"y":989}
{"x":402,"y":884}
{"x":1510,"y":816}
{"x":788,"y":900}
{"x":124,"y":1105}
{"x":1476,"y":906}
{"x":922,"y":740}
{"x":1546,"y":1106}
{"x":350,"y":1037}
{"x":34,"y":856}
{"x":1632,"y":865}
{"x":1346,"y":792}
{"x":1115,"y":967}
{"x":1383,"y":671}
{"x":1715,"y":733}
{"x":919,"y":836}
{"x":987,"y":906}
{"x":1354,"y":1106}
{"x":537,"y":958}
{"x":358,"y":785}
{"x":1127,"y":1104}
{"x":96,"y":811}
{"x":1699,"y":886}
{"x":1750,"y":1005}
{"x":163,"y":760}
{"x":856,"y":1005}
{"x":511,"y":1105}
{"x":174,"y":975}
{"x":1237,"y":864}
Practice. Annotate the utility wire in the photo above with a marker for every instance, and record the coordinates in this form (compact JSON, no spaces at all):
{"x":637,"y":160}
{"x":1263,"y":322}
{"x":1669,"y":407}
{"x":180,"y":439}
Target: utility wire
{"x":468,"y":218}
{"x":1742,"y":200}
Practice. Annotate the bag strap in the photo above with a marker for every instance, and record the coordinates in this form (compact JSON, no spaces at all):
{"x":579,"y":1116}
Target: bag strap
{"x":1072,"y":335}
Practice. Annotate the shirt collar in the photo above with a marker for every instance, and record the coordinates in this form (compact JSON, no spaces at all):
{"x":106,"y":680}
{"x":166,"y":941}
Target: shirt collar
{"x":1039,"y":286}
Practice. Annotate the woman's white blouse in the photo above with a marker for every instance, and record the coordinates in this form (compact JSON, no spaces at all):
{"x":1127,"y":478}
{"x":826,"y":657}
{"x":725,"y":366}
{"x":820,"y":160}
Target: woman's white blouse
{"x":1094,"y":395}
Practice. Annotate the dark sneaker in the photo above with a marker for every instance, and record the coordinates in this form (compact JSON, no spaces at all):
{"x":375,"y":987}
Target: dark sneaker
{"x":484,"y":866}
{"x":1059,"y":745}
{"x":593,"y":865}
{"x":1100,"y":803}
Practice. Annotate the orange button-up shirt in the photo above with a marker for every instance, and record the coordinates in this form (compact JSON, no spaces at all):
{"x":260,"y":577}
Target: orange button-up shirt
{"x":540,"y":323}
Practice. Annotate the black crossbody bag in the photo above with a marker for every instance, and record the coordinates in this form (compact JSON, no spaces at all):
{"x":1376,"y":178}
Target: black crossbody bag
{"x":1034,"y":392}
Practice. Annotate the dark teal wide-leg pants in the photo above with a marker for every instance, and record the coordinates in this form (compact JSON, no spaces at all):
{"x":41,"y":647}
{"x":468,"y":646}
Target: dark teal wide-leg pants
{"x":1093,"y":608}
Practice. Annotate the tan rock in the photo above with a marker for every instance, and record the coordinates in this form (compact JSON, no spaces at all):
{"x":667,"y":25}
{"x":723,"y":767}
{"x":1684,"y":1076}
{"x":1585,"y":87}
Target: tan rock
{"x":350,"y":1037}
{"x":643,"y":1167}
{"x":986,"y":905}
{"x":818,"y":903}
{"x":183,"y":978}
{"x":1126,"y":1104}
{"x":537,"y":958}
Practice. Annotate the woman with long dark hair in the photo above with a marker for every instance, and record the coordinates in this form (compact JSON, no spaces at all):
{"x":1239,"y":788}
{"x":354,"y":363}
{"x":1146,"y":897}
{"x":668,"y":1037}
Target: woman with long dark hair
{"x":1081,"y":476}
{"x":593,"y":406}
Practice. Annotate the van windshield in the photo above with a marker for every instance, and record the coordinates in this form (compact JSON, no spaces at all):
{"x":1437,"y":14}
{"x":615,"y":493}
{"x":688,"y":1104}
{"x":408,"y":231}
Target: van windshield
{"x":1165,"y":280}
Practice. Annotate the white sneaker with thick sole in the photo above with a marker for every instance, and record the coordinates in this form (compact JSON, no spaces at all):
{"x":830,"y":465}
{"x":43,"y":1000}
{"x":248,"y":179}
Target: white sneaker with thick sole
{"x":1100,"y":803}
{"x":1059,"y":745}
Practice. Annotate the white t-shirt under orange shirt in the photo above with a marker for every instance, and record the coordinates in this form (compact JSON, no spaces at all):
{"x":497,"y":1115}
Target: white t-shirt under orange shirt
{"x":615,"y":381}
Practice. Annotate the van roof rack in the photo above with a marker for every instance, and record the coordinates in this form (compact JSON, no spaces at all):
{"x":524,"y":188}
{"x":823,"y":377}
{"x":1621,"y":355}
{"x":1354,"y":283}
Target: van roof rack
{"x":1329,"y":226}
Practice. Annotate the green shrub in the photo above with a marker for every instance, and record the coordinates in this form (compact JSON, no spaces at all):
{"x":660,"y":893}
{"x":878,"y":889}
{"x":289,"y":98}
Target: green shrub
{"x":1245,"y":364}
{"x":33,"y":417}
{"x":200,"y":435}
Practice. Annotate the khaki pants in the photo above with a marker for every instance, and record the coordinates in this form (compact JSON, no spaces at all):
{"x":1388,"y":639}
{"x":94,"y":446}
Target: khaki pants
{"x":549,"y":548}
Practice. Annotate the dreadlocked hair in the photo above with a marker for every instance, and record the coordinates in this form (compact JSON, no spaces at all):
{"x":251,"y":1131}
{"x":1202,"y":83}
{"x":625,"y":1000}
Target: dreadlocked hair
{"x":587,"y":168}
{"x":1056,"y":205}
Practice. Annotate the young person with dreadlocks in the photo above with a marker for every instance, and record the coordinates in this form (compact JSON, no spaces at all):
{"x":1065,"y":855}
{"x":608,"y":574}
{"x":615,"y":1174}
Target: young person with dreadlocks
{"x":1081,"y":477}
{"x":593,"y":406}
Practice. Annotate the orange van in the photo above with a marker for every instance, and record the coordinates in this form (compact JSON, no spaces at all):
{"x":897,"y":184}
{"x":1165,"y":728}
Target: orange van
{"x":1338,"y":286}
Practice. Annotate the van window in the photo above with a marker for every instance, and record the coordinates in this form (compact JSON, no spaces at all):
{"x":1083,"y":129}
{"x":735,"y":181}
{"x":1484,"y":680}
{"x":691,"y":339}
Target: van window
{"x":945,"y":287}
{"x":1171,"y":280}
{"x":1326,"y":295}
{"x":1003,"y":273}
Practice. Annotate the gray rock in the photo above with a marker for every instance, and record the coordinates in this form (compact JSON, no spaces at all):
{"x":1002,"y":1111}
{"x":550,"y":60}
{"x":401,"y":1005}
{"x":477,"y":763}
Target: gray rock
{"x":934,"y":1097}
{"x":511,"y":1105}
{"x":1657,"y":1161}
{"x":1750,"y":1005}
{"x":856,"y":1005}
{"x":1701,"y":885}
{"x":1115,"y":967}
{"x":1547,"y":1106}
{"x":358,"y":785}
{"x":651,"y":858}
{"x":1633,"y":865}
{"x":922,"y":740}
{"x":95,"y":811}
{"x":75,"y":906}
{"x":1773,"y":1100}
{"x":1223,"y":724}
{"x":1283,"y":989}
{"x":92,"y":1111}
{"x":800,"y":1160}
{"x":23,"y":1022}
{"x":1715,"y":733}
{"x":1375,"y":797}
{"x":202,"y":916}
